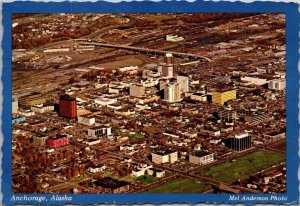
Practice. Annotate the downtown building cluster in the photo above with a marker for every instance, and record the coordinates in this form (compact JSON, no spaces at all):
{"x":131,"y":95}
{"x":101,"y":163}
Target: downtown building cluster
{"x":138,"y":126}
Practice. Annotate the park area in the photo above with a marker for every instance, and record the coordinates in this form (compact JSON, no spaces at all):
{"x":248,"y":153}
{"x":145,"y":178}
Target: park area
{"x":244,"y":166}
{"x":182,"y":185}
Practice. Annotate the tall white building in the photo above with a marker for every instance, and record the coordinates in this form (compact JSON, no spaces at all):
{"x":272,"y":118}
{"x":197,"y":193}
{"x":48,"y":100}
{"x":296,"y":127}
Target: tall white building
{"x":166,"y":68}
{"x":15,"y":106}
{"x":183,"y":82}
{"x":172,"y":92}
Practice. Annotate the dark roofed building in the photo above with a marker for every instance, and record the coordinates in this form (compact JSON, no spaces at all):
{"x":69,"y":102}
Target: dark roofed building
{"x":201,"y":157}
{"x":31,"y":99}
{"x":111,"y":185}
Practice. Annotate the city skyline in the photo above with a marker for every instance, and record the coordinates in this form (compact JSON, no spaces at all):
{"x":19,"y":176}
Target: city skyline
{"x":149,"y":103}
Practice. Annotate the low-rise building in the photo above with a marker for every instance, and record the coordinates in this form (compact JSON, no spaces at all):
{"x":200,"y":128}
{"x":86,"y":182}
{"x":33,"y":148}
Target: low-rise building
{"x":174,"y":38}
{"x":277,"y":84}
{"x":94,"y":169}
{"x":58,"y":141}
{"x":31,"y":99}
{"x":26,"y":113}
{"x":86,"y":120}
{"x":255,"y":80}
{"x":227,"y":115}
{"x":105,"y":101}
{"x":199,"y":97}
{"x":164,"y":156}
{"x":148,"y":99}
{"x":110,"y":185}
{"x":18,"y":120}
{"x":201,"y":157}
{"x":124,"y":112}
{"x":42,"y":108}
{"x":140,"y":170}
{"x":39,"y":140}
{"x":91,"y":142}
{"x":99,"y":131}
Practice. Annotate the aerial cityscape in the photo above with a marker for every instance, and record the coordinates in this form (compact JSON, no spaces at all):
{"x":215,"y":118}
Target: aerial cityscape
{"x":149,"y":103}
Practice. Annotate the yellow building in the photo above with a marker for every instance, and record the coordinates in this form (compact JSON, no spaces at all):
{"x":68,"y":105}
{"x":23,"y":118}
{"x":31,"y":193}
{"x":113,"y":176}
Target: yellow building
{"x":147,"y":99}
{"x":222,"y":97}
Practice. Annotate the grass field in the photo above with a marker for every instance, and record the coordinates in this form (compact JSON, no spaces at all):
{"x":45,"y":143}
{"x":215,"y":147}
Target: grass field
{"x":146,"y":179}
{"x":137,"y":135}
{"x":182,"y":185}
{"x":244,"y":166}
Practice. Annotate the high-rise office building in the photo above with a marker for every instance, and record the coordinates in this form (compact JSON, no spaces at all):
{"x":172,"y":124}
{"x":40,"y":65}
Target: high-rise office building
{"x":136,"y":90}
{"x":172,"y":92}
{"x":166,"y":68}
{"x":67,"y":106}
{"x":15,"y":106}
{"x":239,"y":142}
{"x":169,"y":60}
{"x":223,"y":96}
{"x":183,"y":82}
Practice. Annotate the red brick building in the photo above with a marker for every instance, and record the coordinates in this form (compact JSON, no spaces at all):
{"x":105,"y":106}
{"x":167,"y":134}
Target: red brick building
{"x":67,"y":107}
{"x":58,"y":141}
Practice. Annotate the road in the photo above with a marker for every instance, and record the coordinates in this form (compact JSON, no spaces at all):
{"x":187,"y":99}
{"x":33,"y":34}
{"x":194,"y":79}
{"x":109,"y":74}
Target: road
{"x":142,"y":50}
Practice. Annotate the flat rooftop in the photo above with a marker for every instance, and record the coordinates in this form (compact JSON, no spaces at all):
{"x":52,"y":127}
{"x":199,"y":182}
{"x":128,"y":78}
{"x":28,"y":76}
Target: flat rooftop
{"x":201,"y":153}
{"x":110,"y":183}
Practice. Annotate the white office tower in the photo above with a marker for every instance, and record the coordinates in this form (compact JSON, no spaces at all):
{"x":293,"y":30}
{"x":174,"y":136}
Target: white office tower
{"x":169,"y":60}
{"x":15,"y":106}
{"x":183,"y":82}
{"x":163,"y":83}
{"x":167,"y":71}
{"x":172,"y":92}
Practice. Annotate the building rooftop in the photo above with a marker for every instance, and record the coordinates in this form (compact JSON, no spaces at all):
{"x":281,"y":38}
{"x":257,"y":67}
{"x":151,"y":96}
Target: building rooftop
{"x":240,"y":136}
{"x":163,"y":152}
{"x":108,"y":182}
{"x":66,"y":98}
{"x":201,"y":153}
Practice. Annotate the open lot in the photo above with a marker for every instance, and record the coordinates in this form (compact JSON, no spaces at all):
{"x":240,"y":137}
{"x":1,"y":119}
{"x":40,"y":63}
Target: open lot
{"x":244,"y":166}
{"x":183,"y":185}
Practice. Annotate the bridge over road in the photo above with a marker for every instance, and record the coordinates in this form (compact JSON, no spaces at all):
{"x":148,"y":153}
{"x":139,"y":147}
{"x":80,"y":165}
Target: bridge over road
{"x":142,"y":50}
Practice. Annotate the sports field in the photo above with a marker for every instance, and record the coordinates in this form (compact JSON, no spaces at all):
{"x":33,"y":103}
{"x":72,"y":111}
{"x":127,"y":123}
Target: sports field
{"x":244,"y":166}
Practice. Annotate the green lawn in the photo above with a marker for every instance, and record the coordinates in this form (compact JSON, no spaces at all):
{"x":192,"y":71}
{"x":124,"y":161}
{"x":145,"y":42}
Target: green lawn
{"x":137,"y":135}
{"x":109,"y":174}
{"x":244,"y":166}
{"x":146,"y":179}
{"x":183,"y":185}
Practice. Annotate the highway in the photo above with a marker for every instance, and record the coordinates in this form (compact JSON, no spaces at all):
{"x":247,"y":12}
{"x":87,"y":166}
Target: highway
{"x":142,"y":50}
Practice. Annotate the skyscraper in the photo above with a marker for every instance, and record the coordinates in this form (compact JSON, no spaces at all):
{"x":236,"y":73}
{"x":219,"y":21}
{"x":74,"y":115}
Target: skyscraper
{"x":136,"y":90}
{"x":239,"y":142}
{"x":167,"y":67}
{"x":172,"y":92}
{"x":183,"y":82}
{"x":169,"y":60}
{"x":67,"y":107}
